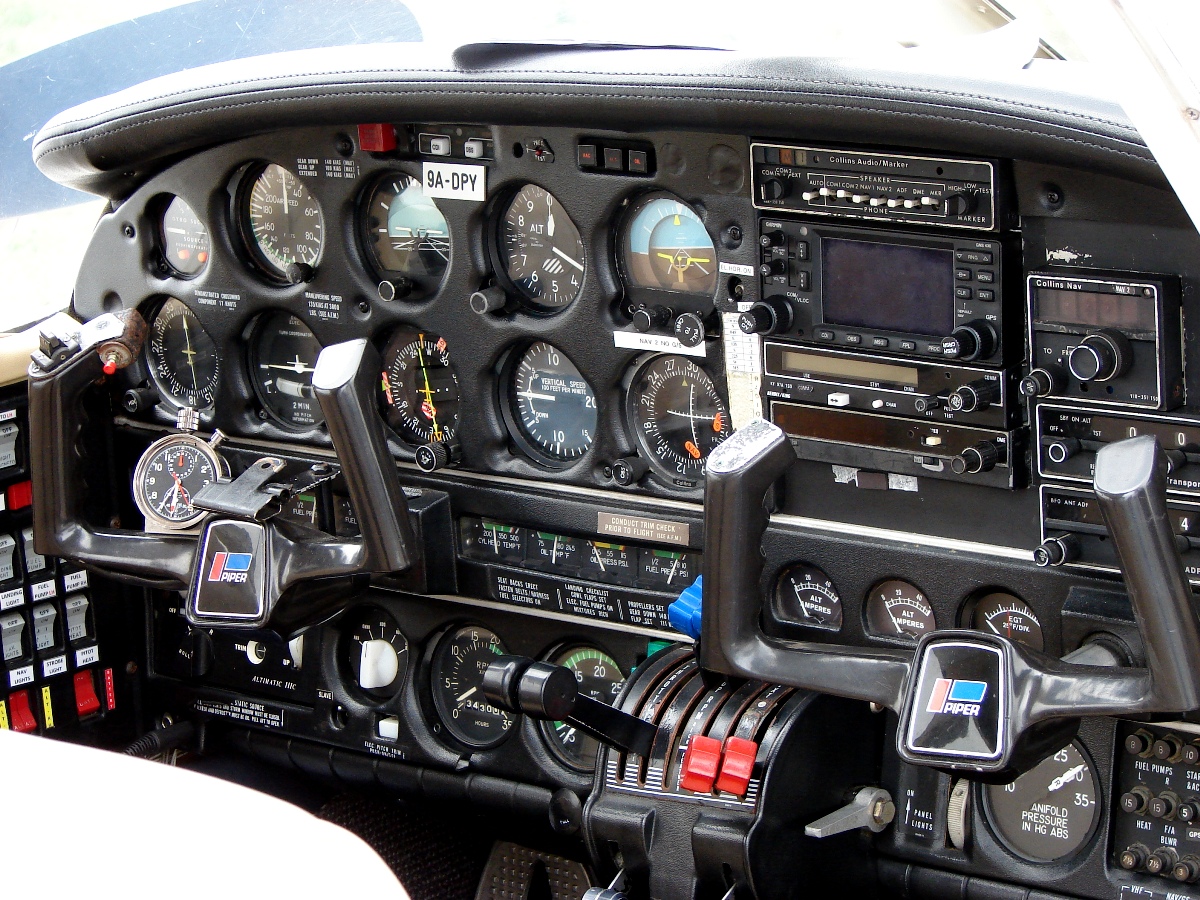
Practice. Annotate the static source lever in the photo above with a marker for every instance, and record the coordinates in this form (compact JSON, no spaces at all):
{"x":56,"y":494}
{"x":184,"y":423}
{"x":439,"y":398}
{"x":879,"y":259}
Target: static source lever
{"x":548,"y":692}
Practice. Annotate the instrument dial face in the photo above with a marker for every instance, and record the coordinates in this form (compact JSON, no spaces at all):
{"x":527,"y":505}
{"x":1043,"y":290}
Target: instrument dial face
{"x":283,"y":221}
{"x":169,"y":474}
{"x":376,"y":652}
{"x":552,"y":408}
{"x":1004,"y":614}
{"x":600,"y":678}
{"x":185,"y":242}
{"x":419,"y":387}
{"x":405,"y":230}
{"x":804,"y":595}
{"x":665,"y":246}
{"x":283,"y":357}
{"x":457,"y":682}
{"x":678,"y":417}
{"x":897,"y":609}
{"x":1051,"y":811}
{"x":183,"y":360}
{"x":540,"y":249}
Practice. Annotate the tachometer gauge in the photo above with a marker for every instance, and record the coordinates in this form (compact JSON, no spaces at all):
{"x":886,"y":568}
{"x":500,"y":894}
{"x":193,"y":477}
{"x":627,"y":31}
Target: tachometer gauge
{"x":551,"y":408}
{"x":459,"y":662}
{"x":665,"y":246}
{"x":282,"y":223}
{"x":406,"y":232}
{"x":375,"y":652}
{"x":897,"y":609}
{"x":1051,"y":811}
{"x":183,"y":360}
{"x":600,"y":678}
{"x":678,"y":417}
{"x":1004,"y":614}
{"x":283,"y":357}
{"x":539,"y":249}
{"x":804,"y":595}
{"x":420,"y":389}
{"x":169,"y":474}
{"x":184,"y":239}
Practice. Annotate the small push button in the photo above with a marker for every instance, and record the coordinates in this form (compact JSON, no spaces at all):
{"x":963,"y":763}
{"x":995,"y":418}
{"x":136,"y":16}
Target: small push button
{"x":376,"y":138}
{"x":701,"y":762}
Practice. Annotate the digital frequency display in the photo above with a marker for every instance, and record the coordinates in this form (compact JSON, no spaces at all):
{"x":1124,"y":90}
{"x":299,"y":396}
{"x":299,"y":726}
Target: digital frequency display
{"x":887,"y":287}
{"x":1099,"y":310}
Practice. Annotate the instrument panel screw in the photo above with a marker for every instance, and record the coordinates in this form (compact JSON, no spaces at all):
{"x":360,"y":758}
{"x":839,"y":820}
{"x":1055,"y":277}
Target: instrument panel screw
{"x":127,"y":230}
{"x":1192,"y":113}
{"x":364,"y":307}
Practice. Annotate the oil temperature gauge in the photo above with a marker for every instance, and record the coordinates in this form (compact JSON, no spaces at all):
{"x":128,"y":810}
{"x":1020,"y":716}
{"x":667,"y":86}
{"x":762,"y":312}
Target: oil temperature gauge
{"x":376,"y":652}
{"x":897,"y":609}
{"x":170,"y":473}
{"x":804,"y":595}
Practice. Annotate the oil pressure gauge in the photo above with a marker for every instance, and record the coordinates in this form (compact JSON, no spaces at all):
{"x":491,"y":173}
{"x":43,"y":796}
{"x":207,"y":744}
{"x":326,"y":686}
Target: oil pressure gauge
{"x":804,"y":595}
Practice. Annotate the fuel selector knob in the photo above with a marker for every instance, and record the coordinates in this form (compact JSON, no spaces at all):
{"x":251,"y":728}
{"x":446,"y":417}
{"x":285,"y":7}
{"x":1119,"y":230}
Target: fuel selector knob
{"x":980,"y":457}
{"x":767,"y":317}
{"x":975,"y":340}
{"x":1101,"y":356}
{"x":973,"y":397}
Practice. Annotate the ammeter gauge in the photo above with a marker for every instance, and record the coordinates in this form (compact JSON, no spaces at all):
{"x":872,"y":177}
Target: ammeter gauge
{"x":804,"y":595}
{"x":897,"y":609}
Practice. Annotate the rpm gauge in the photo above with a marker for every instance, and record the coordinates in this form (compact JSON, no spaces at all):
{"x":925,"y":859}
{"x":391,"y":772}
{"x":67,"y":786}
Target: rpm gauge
{"x":376,"y":652}
{"x":281,"y":223}
{"x":283,"y":357}
{"x":665,"y":246}
{"x":551,"y":409}
{"x":459,"y":662}
{"x":897,"y":609}
{"x":1051,"y":811}
{"x":539,"y":249}
{"x":420,"y":389}
{"x":598,"y":677}
{"x":678,"y":416}
{"x":805,"y":595}
{"x":185,"y":243}
{"x":170,"y":473}
{"x":183,"y":360}
{"x":1010,"y":616}
{"x":405,"y":231}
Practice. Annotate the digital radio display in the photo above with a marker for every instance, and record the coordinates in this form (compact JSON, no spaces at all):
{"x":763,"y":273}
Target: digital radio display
{"x":1128,"y":312}
{"x":887,"y":287}
{"x":864,"y":371}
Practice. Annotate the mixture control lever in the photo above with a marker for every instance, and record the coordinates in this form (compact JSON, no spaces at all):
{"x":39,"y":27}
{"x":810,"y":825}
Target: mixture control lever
{"x":544,"y":691}
{"x":968,"y":701}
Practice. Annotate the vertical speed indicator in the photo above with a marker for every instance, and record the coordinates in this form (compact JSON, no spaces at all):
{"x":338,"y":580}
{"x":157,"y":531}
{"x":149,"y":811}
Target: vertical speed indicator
{"x":678,"y":416}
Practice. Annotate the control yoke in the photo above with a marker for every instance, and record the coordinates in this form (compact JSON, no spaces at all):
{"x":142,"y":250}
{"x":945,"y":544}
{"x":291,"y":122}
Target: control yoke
{"x":288,"y":576}
{"x":970,"y":702}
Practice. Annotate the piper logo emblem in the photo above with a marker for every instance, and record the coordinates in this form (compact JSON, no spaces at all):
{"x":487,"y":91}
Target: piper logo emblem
{"x":957,"y":698}
{"x":232,"y":568}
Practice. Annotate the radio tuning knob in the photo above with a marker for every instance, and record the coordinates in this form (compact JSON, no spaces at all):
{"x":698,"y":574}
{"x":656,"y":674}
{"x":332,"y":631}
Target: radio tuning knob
{"x":925,"y":404}
{"x":1041,"y":383}
{"x":1101,"y":356}
{"x":981,"y":457}
{"x":975,"y":340}
{"x":648,"y":318}
{"x":773,"y":189}
{"x":974,"y":396}
{"x":1057,"y":550}
{"x":773,"y":239}
{"x":775,"y":266}
{"x":771,"y":316}
{"x":1059,"y":450}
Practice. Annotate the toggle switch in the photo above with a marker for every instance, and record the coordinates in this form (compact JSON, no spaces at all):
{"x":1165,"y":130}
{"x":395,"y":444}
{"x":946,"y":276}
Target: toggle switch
{"x":76,"y":608}
{"x":44,"y":616}
{"x":12,"y":636}
{"x":86,"y":701}
{"x":20,"y":714}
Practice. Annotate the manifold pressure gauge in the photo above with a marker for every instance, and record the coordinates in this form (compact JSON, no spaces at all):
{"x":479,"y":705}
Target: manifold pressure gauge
{"x":170,"y":473}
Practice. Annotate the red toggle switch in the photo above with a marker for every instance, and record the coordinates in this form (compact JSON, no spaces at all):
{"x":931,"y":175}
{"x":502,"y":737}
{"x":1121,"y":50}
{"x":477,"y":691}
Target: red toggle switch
{"x":19,"y":714}
{"x":376,"y":138}
{"x":19,"y":495}
{"x":737,"y":765}
{"x":700,"y":763}
{"x":86,"y":701}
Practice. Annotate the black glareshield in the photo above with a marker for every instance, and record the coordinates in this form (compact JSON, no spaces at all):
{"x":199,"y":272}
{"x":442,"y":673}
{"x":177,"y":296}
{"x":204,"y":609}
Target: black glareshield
{"x":968,"y":702}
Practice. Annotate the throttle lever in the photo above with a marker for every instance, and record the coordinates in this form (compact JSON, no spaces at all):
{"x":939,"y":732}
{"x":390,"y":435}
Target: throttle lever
{"x":544,"y":691}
